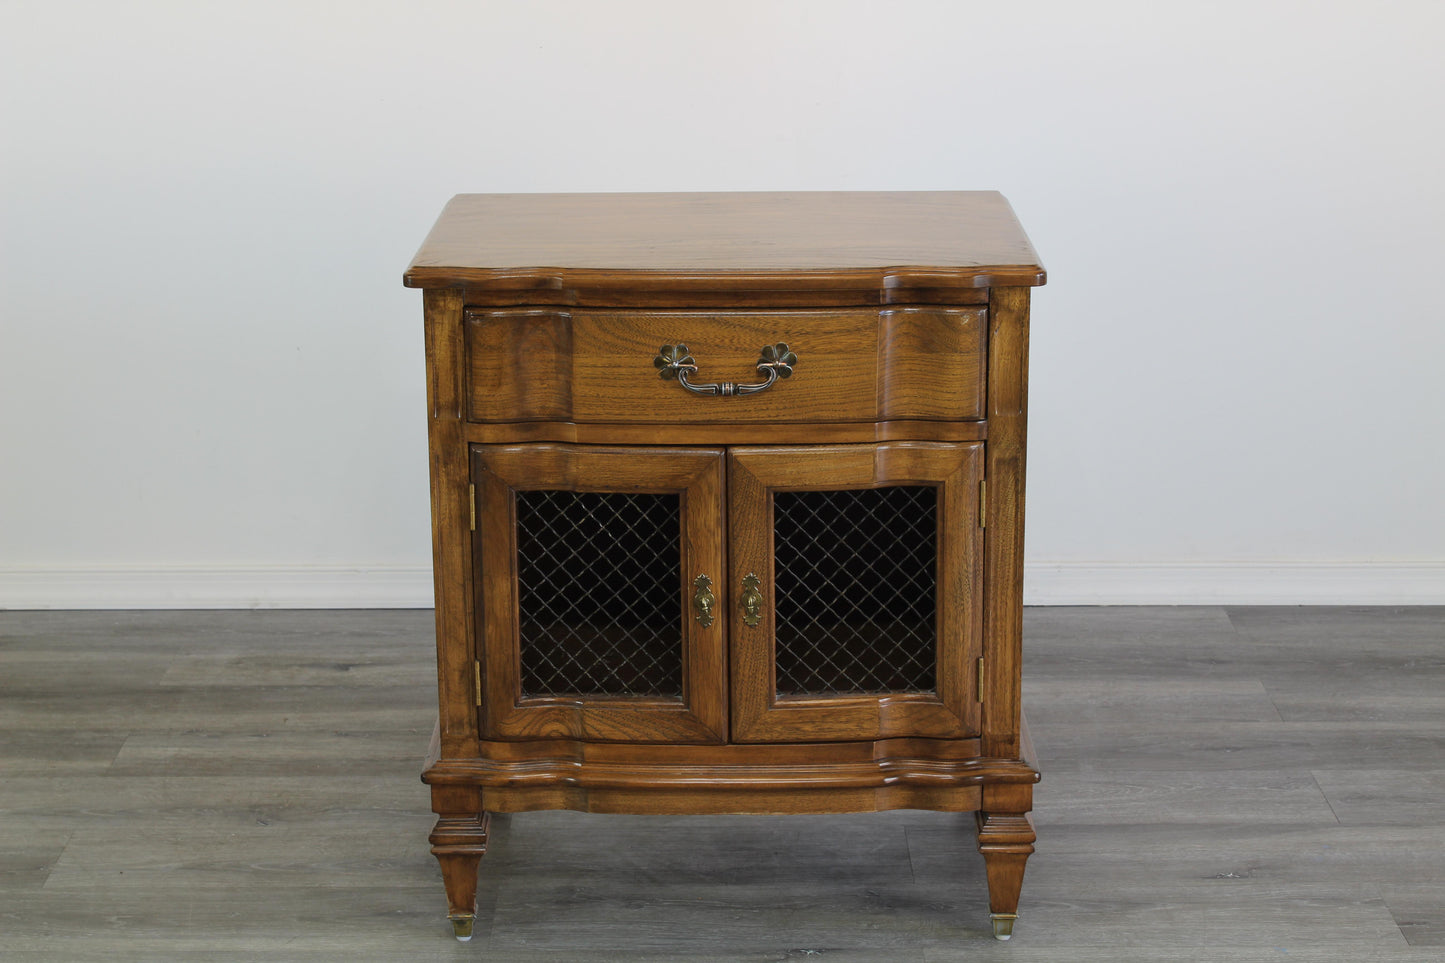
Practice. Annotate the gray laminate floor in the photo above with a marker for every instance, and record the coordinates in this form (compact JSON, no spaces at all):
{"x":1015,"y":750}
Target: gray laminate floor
{"x":1219,"y":784}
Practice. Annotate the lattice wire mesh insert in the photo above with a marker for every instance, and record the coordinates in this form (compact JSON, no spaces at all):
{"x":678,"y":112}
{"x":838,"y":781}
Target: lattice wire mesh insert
{"x":855,"y":585}
{"x":599,"y":593}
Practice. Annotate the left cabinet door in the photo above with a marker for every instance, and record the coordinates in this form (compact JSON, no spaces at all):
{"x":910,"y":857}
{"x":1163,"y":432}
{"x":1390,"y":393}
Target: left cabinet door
{"x":599,"y":581}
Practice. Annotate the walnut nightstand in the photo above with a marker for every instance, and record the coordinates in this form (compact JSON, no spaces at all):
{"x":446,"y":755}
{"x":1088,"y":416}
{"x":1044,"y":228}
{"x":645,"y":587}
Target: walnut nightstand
{"x":727,"y":510}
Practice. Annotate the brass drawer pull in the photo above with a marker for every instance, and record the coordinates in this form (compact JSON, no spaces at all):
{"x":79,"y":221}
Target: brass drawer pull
{"x":674,"y":361}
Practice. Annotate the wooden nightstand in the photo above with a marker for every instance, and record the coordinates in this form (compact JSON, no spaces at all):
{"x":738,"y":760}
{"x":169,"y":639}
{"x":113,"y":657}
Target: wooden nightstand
{"x":727,"y":510}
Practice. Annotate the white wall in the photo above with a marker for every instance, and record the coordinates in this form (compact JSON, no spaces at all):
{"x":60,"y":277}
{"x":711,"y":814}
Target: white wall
{"x":211,"y":377}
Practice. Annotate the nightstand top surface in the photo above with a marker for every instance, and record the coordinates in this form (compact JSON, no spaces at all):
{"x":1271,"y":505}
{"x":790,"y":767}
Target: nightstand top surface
{"x":944,"y":239}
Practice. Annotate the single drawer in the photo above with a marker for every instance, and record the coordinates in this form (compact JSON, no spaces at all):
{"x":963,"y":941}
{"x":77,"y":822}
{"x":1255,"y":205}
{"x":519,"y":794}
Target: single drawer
{"x":611,"y":366}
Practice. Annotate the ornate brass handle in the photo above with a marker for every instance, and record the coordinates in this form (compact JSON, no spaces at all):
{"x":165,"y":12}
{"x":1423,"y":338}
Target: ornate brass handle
{"x":752,"y":600}
{"x":674,"y":362}
{"x":703,"y":600}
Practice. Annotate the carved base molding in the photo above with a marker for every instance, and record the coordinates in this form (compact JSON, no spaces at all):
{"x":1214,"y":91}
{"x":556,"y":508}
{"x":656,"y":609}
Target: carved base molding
{"x":826,"y":777}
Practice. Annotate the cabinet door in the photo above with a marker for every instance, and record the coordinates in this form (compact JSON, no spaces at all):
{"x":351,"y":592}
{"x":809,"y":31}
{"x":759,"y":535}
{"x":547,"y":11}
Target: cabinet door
{"x":855,"y":573}
{"x":588,"y":619}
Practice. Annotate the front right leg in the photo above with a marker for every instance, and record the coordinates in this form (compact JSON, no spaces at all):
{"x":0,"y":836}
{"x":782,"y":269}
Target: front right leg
{"x":458,"y":842}
{"x":1006,"y":840}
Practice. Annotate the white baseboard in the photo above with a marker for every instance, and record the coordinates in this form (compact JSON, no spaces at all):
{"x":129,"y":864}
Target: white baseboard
{"x":1045,"y":583}
{"x":217,"y":587}
{"x":1234,"y":583}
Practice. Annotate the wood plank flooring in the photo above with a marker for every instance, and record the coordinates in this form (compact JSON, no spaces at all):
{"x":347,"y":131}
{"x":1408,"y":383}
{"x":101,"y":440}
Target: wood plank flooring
{"x":1219,"y":784}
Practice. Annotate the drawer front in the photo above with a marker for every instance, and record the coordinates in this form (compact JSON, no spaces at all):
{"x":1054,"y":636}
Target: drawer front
{"x":600,"y":366}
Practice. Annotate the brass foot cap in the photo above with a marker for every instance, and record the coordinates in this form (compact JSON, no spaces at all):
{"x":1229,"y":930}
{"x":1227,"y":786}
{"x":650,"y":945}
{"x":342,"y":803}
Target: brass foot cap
{"x":462,"y":927}
{"x":1003,"y":925}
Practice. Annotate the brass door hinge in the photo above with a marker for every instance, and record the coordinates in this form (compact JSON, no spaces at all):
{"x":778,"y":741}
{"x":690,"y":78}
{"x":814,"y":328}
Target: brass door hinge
{"x":983,"y":503}
{"x":477,"y":669}
{"x":978,"y":693}
{"x":472,"y":501}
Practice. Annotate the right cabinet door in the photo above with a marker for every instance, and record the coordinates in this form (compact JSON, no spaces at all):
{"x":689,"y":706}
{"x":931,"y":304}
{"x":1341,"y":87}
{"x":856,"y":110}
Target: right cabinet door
{"x":856,"y":588}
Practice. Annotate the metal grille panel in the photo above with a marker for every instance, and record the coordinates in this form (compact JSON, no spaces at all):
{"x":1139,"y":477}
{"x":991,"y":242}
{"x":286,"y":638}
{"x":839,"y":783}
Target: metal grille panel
{"x":599,"y":593}
{"x":855,"y":586}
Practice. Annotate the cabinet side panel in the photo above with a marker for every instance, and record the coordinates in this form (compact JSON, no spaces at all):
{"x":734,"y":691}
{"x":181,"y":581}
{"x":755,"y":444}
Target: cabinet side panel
{"x":445,"y":357}
{"x":1008,"y":347}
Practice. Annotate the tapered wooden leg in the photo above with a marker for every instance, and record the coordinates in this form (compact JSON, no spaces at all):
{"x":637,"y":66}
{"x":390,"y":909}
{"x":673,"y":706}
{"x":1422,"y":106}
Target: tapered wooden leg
{"x":1006,"y":840}
{"x":458,"y":843}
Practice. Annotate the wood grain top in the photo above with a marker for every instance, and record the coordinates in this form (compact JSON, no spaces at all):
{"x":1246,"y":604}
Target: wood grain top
{"x":802,"y":240}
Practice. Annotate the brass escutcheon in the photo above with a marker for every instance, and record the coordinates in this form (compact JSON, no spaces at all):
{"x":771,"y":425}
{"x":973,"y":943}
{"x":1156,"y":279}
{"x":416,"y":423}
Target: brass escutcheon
{"x":752,"y":600}
{"x":703,"y":600}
